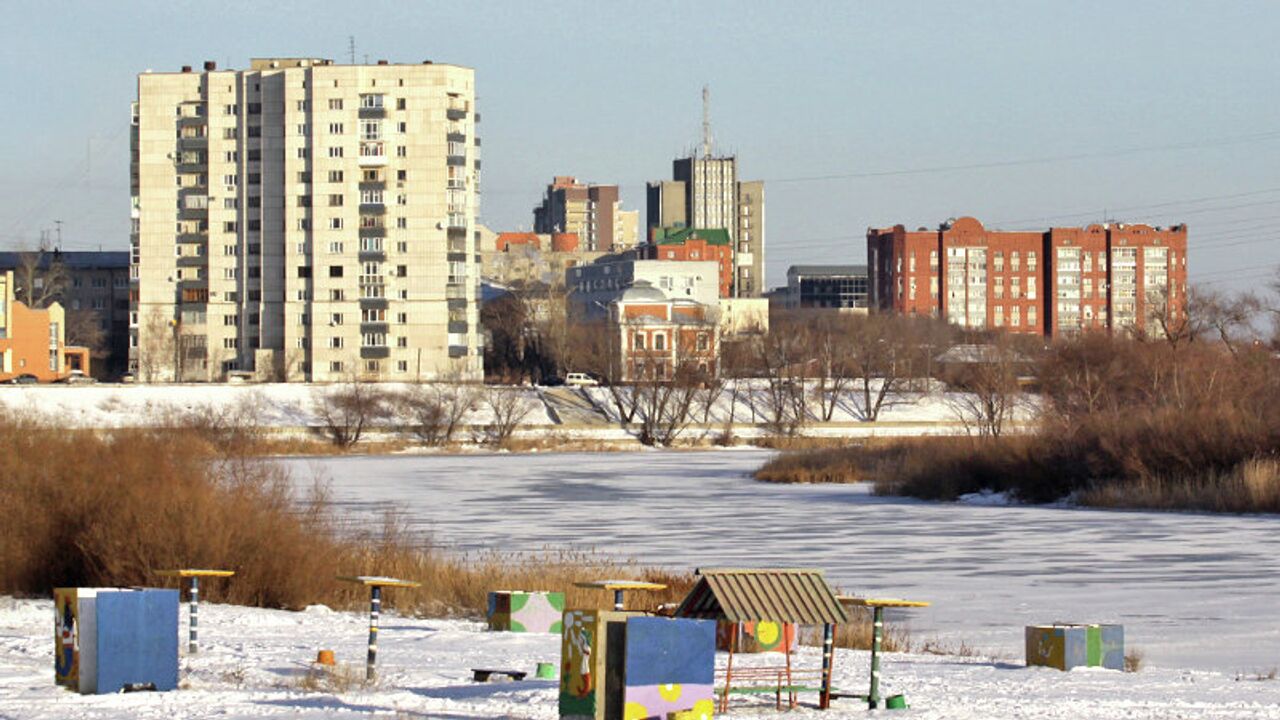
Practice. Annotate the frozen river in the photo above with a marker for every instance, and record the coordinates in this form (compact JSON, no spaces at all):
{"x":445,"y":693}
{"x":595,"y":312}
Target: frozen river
{"x":1193,"y":590}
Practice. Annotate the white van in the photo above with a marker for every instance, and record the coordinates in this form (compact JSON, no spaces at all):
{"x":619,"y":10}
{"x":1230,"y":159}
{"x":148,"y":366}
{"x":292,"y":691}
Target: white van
{"x":580,"y":379}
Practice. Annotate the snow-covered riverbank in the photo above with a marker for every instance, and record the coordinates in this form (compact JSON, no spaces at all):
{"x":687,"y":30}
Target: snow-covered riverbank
{"x":252,"y":664}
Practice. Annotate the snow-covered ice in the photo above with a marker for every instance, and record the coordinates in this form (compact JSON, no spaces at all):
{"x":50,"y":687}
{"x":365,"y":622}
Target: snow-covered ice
{"x":1192,"y":590}
{"x":251,"y":664}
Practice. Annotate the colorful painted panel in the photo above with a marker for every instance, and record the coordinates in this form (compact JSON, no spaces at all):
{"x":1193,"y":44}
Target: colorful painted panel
{"x":66,"y":638}
{"x":579,"y":648}
{"x":525,"y":611}
{"x":758,"y":637}
{"x":670,"y":667}
{"x":1068,"y":646}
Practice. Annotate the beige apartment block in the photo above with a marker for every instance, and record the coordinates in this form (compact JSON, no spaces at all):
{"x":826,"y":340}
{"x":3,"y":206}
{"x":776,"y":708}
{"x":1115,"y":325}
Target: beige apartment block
{"x":305,"y":221}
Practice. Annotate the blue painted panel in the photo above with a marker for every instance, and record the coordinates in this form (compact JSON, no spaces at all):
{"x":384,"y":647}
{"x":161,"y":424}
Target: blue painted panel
{"x":1075,"y":646}
{"x":670,"y":650}
{"x":137,"y":634}
{"x":1113,"y":647}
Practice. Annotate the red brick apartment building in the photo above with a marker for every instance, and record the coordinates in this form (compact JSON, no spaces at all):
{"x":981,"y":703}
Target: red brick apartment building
{"x":1056,"y":282}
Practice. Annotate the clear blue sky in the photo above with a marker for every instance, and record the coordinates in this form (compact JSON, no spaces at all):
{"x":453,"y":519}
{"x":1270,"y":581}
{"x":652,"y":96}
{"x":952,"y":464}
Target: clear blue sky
{"x":1044,"y":112}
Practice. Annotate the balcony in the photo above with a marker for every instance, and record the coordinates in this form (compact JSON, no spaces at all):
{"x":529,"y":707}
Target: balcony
{"x":373,"y":303}
{"x":193,"y":142}
{"x":372,"y":208}
{"x":456,"y":137}
{"x":456,"y":257}
{"x":457,"y":351}
{"x":379,"y":184}
{"x":456,"y":160}
{"x":455,"y":291}
{"x":186,"y":261}
{"x":372,"y":112}
{"x":375,"y":353}
{"x":372,"y":255}
{"x":372,"y":154}
{"x":455,"y":114}
{"x":374,"y":327}
{"x":458,"y":327}
{"x":373,"y":231}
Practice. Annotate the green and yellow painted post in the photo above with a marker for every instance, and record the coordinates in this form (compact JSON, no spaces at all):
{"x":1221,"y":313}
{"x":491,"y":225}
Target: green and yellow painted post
{"x":193,"y":638}
{"x":877,"y":606}
{"x":375,"y":585}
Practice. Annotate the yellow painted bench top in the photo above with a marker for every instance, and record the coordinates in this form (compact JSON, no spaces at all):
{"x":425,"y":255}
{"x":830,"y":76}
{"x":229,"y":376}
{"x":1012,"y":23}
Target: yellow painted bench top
{"x":379,"y":580}
{"x":881,"y":602}
{"x":192,"y":572}
{"x":621,"y":585}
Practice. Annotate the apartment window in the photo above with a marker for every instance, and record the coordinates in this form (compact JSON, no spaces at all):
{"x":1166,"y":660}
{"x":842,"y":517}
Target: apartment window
{"x":335,"y":103}
{"x":335,"y":128}
{"x":231,"y":320}
{"x":402,"y":318}
{"x":372,"y":366}
{"x":402,"y":127}
{"x":335,"y":248}
{"x":304,"y":176}
{"x":229,"y":133}
{"x":304,"y":223}
{"x":255,"y":226}
{"x":402,"y":365}
{"x":1031,"y":283}
{"x":255,"y":108}
{"x":229,"y":226}
{"x":1015,"y":262}
{"x":336,"y":295}
{"x":400,"y":102}
{"x":304,"y":271}
{"x":304,"y":153}
{"x":302,"y":343}
{"x":230,"y":180}
{"x":255,"y":201}
{"x":402,"y":199}
{"x":228,"y":273}
{"x":402,"y":271}
{"x":335,"y":176}
{"x":335,"y":223}
{"x":637,"y":341}
{"x":335,"y":152}
{"x":402,"y":247}
{"x":370,"y":197}
{"x":402,"y":341}
{"x":1031,"y":261}
{"x":335,"y":343}
{"x":402,"y":222}
{"x":402,"y":151}
{"x":303,"y":129}
{"x":335,"y":200}
{"x":371,"y":102}
{"x":304,"y":201}
{"x":372,"y":315}
{"x":303,"y":248}
{"x":229,"y":110}
{"x":1031,"y":315}
{"x":255,"y":272}
{"x":303,"y":105}
{"x":335,"y":271}
{"x":254,"y":131}
{"x":370,"y":129}
{"x":229,"y":343}
{"x":230,"y":203}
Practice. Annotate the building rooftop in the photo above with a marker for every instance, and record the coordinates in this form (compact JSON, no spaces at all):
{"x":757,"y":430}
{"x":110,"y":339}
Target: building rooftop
{"x":677,"y":235}
{"x":826,"y":270}
{"x":74,"y":259}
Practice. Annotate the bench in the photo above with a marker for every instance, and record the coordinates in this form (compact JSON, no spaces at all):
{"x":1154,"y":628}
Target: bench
{"x":770,"y":681}
{"x":484,"y":674}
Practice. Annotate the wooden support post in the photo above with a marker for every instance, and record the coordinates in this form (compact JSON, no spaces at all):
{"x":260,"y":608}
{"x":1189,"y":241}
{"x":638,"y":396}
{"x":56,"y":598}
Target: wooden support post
{"x":828,"y":658}
{"x":375,"y":608}
{"x":728,"y":672}
{"x":791,"y":694}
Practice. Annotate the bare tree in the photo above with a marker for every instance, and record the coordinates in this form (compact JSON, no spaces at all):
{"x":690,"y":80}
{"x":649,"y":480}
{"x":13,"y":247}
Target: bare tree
{"x":157,"y":346}
{"x":436,"y":410}
{"x":665,"y":403}
{"x":346,"y":410}
{"x":827,"y":336}
{"x":880,"y":348}
{"x":1230,"y":318}
{"x":40,"y":277}
{"x":507,"y":409}
{"x":988,"y":389}
{"x":782,"y":359}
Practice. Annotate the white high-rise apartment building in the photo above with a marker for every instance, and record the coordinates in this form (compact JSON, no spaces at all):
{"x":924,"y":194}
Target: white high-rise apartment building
{"x":305,"y":221}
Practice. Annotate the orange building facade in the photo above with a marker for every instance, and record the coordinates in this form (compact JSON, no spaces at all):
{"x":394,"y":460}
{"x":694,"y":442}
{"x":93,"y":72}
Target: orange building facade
{"x":1061,"y":281}
{"x":691,"y":244}
{"x":32,"y":342}
{"x":656,"y":336}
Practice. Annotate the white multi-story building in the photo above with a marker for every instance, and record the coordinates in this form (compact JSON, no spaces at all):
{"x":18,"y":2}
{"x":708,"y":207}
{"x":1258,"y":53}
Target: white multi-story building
{"x":305,"y":221}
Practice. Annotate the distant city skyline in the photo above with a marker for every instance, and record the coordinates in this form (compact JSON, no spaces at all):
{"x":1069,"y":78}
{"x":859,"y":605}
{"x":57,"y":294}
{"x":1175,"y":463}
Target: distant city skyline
{"x":1022,"y":114}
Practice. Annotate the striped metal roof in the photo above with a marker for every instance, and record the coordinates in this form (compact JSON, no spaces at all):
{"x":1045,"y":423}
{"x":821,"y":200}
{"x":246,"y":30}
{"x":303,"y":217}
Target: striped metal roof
{"x":799,"y":596}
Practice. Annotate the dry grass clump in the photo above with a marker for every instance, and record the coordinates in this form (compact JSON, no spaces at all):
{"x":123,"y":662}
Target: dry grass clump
{"x":83,"y":509}
{"x":1134,"y":658}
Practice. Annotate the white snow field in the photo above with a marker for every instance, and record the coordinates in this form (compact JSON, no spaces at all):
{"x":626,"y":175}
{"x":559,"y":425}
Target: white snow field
{"x":252,"y":664}
{"x":1192,"y":590}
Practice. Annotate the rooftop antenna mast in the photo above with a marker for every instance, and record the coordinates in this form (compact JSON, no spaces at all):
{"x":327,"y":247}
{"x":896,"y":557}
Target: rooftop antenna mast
{"x":351,"y":48}
{"x":706,"y":121}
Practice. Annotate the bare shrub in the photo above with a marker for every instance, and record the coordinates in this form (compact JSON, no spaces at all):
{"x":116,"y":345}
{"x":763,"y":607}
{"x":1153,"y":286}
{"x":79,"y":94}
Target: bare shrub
{"x":346,"y":410}
{"x":507,"y":412}
{"x":665,"y":406}
{"x":1134,"y":659}
{"x":436,"y":410}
